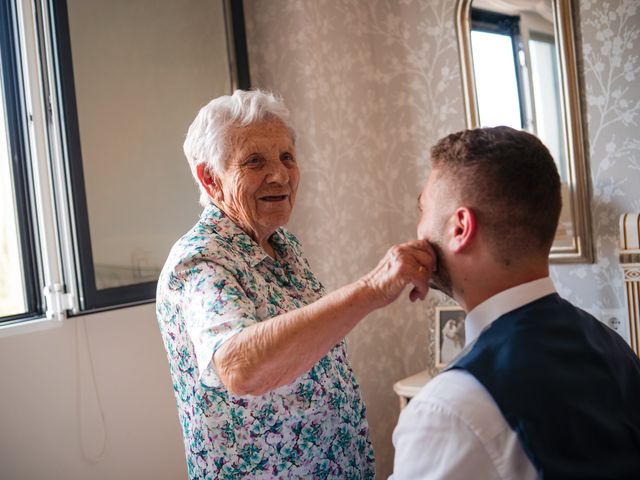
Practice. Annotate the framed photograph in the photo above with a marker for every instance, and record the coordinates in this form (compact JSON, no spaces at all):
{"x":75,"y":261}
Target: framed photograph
{"x":449,"y":333}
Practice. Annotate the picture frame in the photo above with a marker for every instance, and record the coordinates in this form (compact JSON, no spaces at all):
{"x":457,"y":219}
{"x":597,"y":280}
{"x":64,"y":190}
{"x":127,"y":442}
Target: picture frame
{"x":449,"y":334}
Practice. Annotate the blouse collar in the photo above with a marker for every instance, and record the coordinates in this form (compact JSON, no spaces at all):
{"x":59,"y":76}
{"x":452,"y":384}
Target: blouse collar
{"x":230,"y":234}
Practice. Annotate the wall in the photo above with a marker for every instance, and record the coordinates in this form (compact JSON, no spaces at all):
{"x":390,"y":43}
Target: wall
{"x":89,"y":400}
{"x":371,"y":86}
{"x":610,"y":44}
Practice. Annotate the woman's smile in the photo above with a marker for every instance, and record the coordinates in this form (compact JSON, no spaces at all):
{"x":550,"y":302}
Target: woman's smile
{"x":274,"y":198}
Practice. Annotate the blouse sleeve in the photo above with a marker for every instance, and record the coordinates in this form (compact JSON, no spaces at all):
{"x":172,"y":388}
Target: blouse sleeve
{"x":214,"y":308}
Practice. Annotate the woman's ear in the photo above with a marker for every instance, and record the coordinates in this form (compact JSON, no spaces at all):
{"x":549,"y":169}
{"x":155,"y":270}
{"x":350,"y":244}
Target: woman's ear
{"x":463,"y":228}
{"x":210,"y":182}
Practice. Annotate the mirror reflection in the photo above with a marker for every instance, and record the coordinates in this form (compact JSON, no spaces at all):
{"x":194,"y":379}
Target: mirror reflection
{"x":517,"y":74}
{"x":140,"y":70}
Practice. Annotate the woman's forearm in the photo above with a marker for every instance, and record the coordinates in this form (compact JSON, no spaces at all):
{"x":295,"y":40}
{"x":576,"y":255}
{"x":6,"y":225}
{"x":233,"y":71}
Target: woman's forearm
{"x":275,"y":352}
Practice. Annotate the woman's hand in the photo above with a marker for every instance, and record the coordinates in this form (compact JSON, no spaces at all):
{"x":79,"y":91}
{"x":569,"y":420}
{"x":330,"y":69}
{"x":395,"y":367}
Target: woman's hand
{"x":403,"y":264}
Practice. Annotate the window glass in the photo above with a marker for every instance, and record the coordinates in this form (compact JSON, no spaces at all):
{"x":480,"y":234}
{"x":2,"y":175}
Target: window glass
{"x":141,"y":71}
{"x":546,"y":97}
{"x":12,"y":289}
{"x":496,"y":82}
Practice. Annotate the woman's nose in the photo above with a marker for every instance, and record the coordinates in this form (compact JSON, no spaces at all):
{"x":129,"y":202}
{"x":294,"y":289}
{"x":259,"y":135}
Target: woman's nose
{"x":278,"y":172}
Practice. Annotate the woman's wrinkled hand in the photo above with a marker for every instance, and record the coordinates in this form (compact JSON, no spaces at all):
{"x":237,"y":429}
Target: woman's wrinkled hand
{"x":403,"y":264}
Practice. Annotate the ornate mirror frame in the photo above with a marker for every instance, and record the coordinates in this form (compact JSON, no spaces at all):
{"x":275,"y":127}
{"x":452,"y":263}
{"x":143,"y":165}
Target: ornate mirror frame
{"x":573,"y":128}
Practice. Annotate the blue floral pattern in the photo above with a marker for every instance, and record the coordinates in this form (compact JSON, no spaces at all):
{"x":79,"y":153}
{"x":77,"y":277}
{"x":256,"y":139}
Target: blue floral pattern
{"x":216,"y":282}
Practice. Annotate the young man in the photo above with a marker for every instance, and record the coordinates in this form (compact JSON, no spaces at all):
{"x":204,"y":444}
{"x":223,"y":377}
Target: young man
{"x":542,"y":389}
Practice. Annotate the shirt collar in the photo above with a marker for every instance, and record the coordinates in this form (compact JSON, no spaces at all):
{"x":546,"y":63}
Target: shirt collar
{"x":494,"y":307}
{"x":230,"y":234}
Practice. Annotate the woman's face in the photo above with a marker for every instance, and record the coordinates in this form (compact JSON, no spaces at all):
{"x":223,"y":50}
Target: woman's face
{"x":257,"y":187}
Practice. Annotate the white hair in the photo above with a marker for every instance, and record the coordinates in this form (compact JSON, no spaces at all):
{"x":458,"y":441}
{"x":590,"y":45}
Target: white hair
{"x":206,"y":138}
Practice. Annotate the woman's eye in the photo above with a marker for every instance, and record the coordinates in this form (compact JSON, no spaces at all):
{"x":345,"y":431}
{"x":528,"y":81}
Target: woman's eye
{"x":252,"y":161}
{"x":287,"y":157}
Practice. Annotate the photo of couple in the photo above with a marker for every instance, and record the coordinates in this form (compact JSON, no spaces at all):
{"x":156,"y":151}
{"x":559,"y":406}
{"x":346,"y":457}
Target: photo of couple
{"x":450,"y":339}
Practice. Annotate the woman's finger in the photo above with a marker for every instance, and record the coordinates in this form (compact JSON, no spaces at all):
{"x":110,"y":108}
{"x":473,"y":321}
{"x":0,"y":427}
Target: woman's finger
{"x":420,"y":285}
{"x":423,"y":252}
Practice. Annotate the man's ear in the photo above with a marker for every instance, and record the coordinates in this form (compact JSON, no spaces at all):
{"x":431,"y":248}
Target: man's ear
{"x":463,"y":228}
{"x":210,"y":182}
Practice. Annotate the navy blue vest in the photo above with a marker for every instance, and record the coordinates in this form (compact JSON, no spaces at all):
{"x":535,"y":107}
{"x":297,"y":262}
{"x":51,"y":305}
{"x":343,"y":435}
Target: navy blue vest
{"x":567,"y":385}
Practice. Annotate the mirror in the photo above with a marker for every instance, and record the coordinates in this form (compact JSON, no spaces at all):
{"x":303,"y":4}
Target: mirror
{"x":519,"y":69}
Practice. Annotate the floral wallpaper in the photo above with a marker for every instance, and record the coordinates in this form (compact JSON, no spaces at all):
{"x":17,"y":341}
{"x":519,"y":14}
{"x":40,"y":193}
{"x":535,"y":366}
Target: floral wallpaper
{"x":611,"y":69}
{"x":371,"y":85}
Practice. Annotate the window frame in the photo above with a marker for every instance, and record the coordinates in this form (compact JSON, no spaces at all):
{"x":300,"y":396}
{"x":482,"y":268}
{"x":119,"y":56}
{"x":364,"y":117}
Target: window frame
{"x":20,"y":165}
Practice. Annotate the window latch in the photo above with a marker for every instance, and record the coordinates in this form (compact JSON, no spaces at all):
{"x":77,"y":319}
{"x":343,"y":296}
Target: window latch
{"x":58,"y":301}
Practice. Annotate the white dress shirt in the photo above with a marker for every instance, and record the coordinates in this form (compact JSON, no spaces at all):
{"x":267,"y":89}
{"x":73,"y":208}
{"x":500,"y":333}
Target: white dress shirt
{"x":453,"y":429}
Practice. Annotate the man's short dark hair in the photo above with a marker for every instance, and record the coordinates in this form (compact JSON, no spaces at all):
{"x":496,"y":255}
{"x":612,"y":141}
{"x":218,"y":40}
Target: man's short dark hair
{"x":510,"y":181}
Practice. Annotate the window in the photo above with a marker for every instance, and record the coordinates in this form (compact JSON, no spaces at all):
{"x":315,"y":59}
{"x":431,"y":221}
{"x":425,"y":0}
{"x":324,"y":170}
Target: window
{"x":18,"y":274}
{"x":12,"y":294}
{"x":546,"y":96}
{"x":96,"y":99}
{"x":516,"y":74}
{"x":496,"y":45}
{"x":496,"y":80}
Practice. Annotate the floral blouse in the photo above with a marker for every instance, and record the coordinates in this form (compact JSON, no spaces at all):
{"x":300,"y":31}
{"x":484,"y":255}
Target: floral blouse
{"x":216,"y":282}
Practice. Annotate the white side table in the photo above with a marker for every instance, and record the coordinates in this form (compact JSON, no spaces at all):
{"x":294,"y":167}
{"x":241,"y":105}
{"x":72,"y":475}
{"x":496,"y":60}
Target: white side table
{"x":409,"y":387}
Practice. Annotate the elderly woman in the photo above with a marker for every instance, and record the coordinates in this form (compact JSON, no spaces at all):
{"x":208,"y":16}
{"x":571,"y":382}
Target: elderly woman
{"x":256,"y":352}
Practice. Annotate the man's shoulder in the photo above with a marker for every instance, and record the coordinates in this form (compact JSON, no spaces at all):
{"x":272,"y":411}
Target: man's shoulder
{"x":460,"y":394}
{"x":451,"y":387}
{"x":455,"y":419}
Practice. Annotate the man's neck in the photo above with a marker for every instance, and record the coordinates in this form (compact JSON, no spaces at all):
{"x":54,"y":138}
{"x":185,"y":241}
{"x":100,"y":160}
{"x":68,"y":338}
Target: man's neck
{"x":479,"y":288}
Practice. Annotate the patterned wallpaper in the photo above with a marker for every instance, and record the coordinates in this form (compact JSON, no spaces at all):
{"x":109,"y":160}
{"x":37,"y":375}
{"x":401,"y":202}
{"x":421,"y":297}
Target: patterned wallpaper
{"x":372,"y":84}
{"x":610,"y":57}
